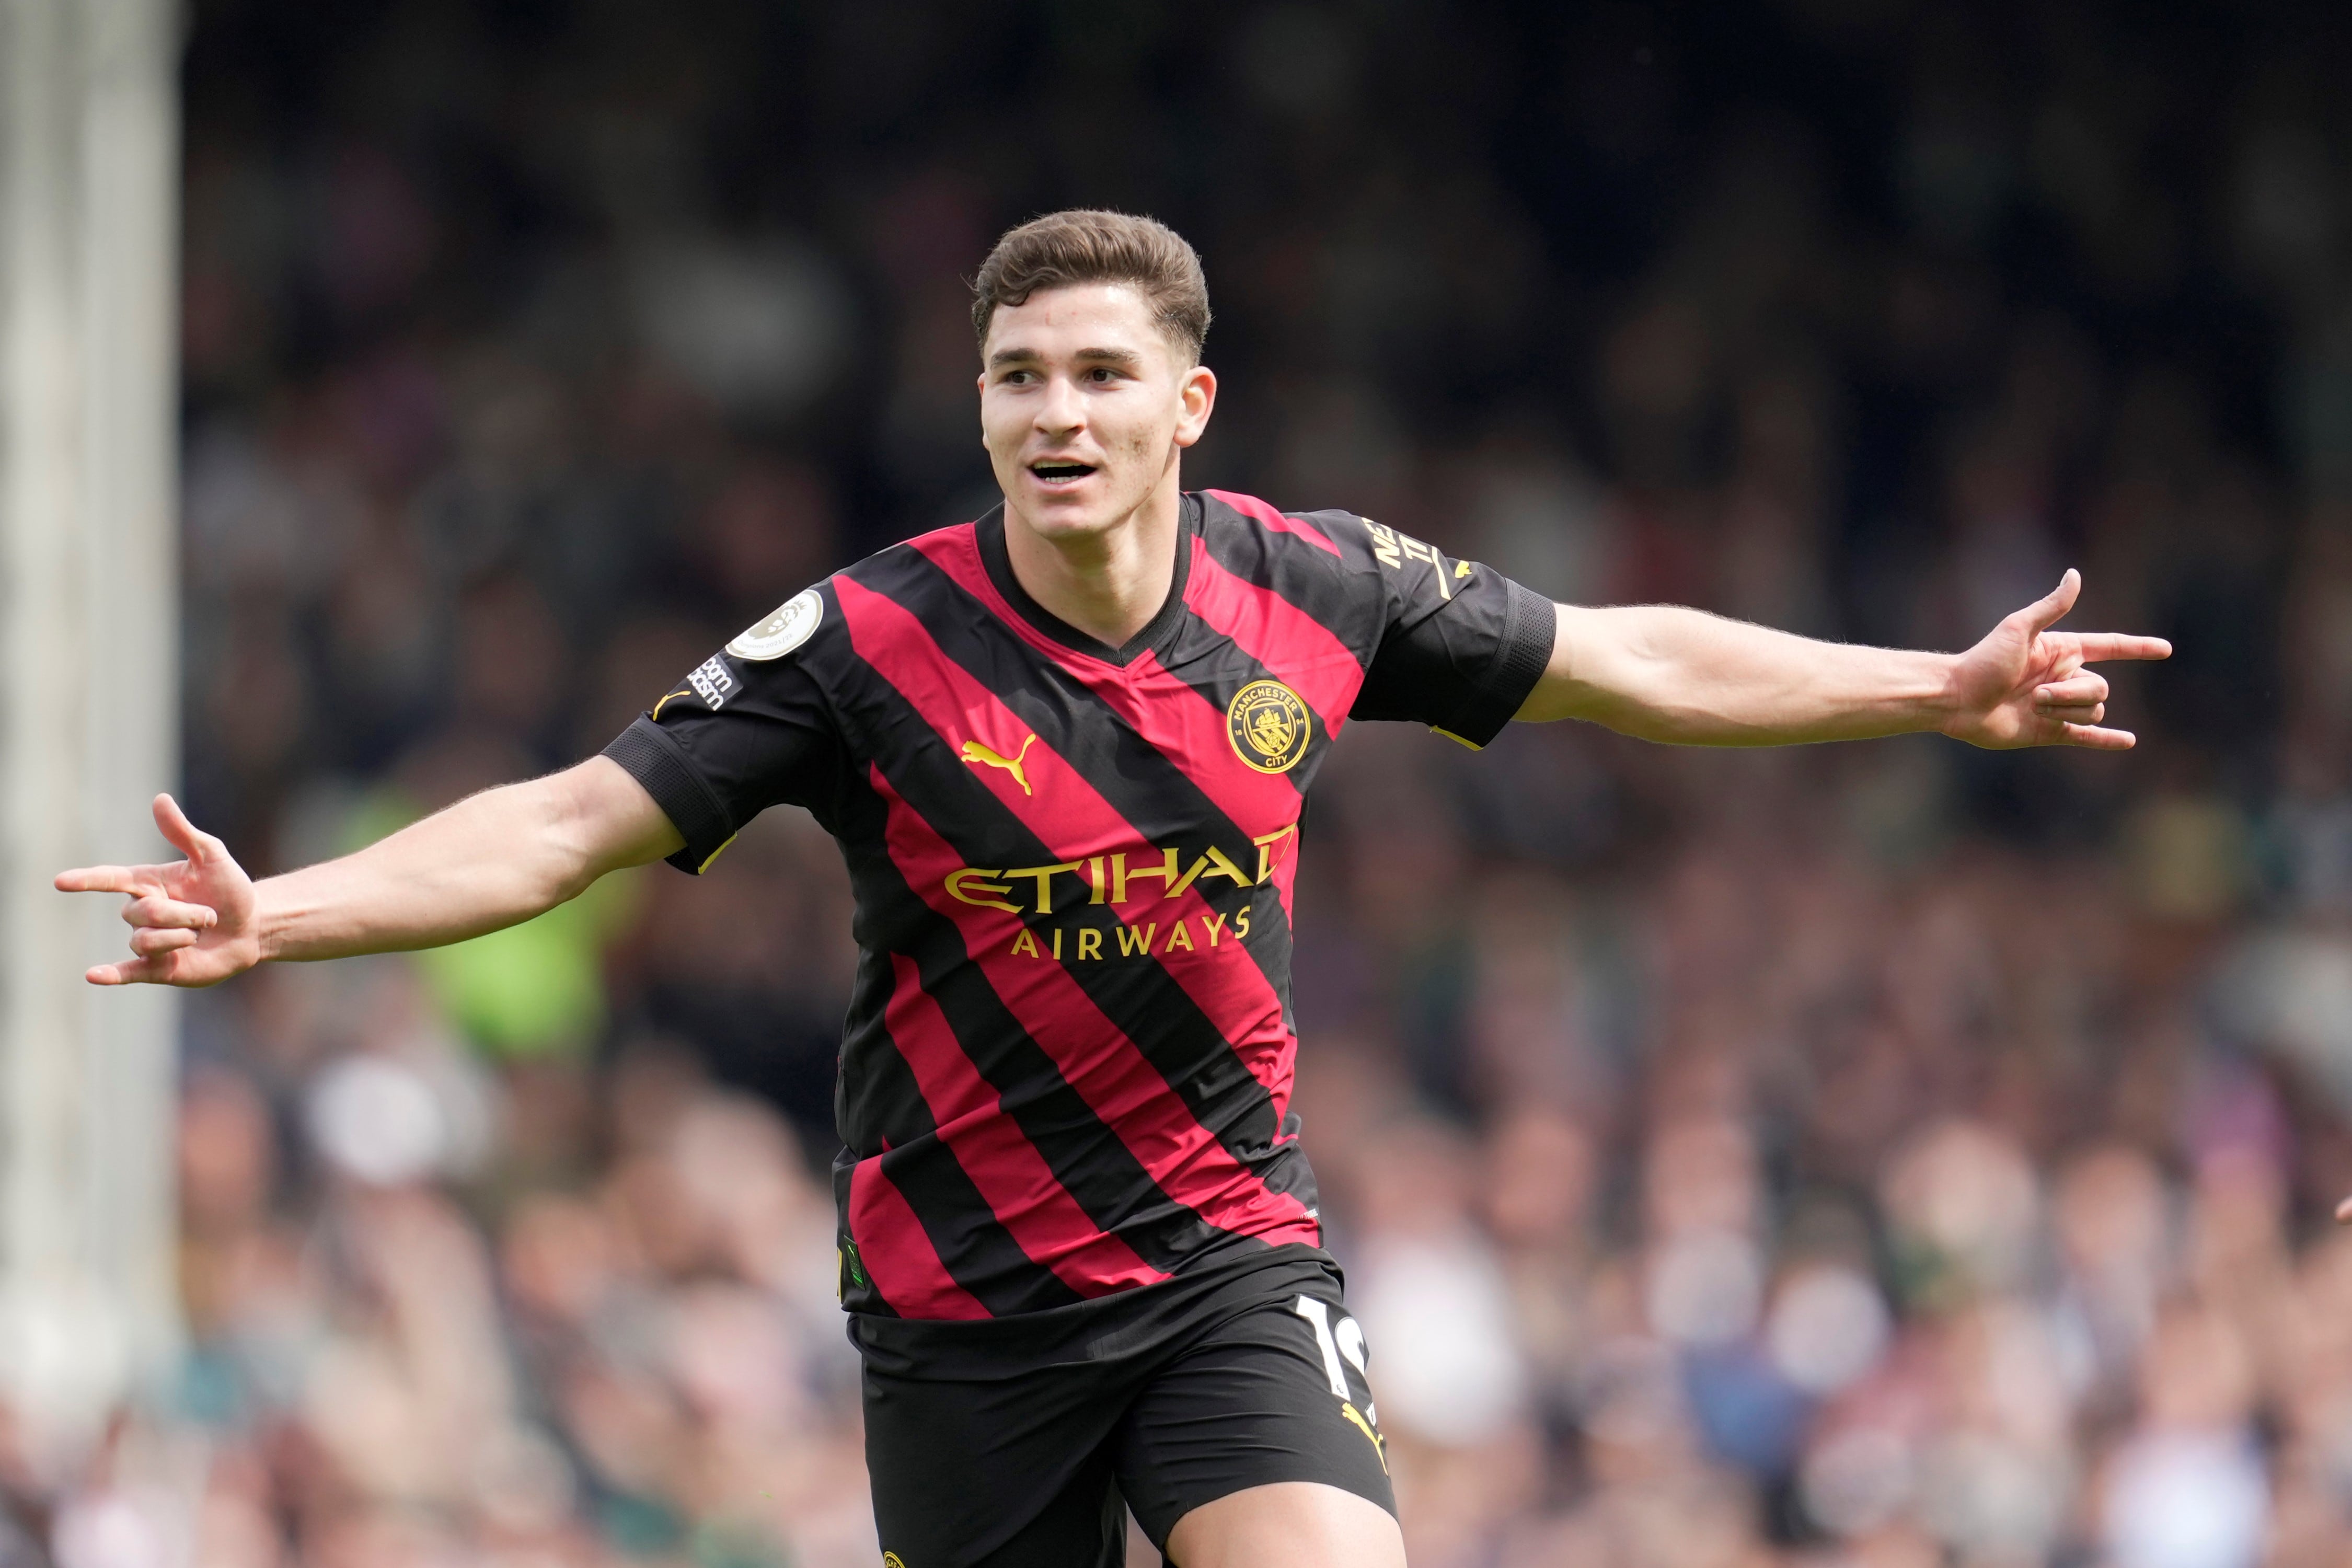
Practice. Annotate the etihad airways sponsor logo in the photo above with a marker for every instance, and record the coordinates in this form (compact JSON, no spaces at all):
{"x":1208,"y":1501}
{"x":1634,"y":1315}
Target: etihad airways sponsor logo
{"x":1116,"y":879}
{"x":1139,"y":939}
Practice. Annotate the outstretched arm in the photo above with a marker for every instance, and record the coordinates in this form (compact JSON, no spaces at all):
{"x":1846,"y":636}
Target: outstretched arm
{"x":489,"y":861}
{"x":1685,"y":676}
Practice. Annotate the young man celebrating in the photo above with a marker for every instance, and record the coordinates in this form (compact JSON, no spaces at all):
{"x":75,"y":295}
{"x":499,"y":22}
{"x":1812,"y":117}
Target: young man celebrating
{"x":1063,"y":749}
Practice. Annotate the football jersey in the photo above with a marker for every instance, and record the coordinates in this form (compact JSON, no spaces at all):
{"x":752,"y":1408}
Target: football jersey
{"x":1068,"y":1062}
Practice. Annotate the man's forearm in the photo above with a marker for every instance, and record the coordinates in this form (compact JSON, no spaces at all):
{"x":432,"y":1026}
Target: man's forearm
{"x":1662,"y":673}
{"x":489,"y":861}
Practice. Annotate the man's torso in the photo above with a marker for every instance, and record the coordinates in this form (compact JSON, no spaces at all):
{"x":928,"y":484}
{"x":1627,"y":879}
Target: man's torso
{"x":1067,"y":1065}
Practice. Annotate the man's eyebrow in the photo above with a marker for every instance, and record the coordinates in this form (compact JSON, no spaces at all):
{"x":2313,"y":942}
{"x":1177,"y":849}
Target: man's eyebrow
{"x":1126,"y":359}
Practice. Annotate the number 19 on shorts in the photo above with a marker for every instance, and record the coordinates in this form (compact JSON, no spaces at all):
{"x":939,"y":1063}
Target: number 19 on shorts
{"x":1341,"y":1345}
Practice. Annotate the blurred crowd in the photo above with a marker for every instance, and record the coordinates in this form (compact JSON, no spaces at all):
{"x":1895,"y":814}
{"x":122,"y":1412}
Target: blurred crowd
{"x":1888,"y":1155}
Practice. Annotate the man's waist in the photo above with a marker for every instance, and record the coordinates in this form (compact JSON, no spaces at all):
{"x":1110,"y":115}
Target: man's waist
{"x":1233,"y":1276}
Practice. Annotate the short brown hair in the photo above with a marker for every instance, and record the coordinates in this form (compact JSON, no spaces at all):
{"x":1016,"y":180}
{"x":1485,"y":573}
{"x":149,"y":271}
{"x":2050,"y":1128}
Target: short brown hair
{"x":1088,"y":245}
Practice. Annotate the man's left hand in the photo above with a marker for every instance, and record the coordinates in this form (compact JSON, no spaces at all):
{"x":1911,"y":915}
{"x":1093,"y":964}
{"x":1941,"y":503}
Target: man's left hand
{"x":2024,"y":685}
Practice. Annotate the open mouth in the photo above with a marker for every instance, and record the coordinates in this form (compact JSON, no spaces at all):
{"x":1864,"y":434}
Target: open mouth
{"x":1060,"y":473}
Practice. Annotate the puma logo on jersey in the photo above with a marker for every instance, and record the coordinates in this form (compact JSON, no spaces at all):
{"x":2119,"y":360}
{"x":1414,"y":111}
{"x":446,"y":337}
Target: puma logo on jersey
{"x":988,"y":757}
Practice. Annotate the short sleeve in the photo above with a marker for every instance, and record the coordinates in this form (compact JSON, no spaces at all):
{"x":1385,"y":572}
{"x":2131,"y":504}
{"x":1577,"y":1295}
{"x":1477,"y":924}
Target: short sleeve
{"x":1460,"y":645}
{"x":741,"y":733}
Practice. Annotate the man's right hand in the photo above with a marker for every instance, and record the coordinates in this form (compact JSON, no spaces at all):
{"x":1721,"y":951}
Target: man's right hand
{"x":192,"y":922}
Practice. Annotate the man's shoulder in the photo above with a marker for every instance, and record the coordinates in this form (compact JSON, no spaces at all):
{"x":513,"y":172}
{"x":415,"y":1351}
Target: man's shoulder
{"x":814,"y":625}
{"x":1231,"y":519}
{"x":951,"y":547}
{"x":915,"y":575}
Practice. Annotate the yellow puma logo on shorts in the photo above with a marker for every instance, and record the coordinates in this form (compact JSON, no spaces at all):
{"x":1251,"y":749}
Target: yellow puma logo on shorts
{"x":1350,"y":1413}
{"x":987,"y":756}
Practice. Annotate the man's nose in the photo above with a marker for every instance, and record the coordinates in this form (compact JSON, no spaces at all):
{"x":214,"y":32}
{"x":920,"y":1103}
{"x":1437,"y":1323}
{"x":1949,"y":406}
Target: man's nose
{"x":1061,"y":410}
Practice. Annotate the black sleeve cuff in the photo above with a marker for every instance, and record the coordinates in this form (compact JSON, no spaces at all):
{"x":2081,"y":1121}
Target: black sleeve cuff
{"x":653,"y":760}
{"x":1535,"y":627}
{"x":1529,"y":628}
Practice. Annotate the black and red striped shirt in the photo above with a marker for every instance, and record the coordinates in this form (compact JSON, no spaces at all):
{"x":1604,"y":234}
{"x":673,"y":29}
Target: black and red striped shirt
{"x":1067,"y":1063}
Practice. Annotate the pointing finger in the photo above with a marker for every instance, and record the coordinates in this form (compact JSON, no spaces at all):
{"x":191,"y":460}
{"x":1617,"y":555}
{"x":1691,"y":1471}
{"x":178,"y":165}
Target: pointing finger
{"x":142,"y":971}
{"x":2092,"y":738}
{"x":132,"y":879}
{"x":2044,"y":612}
{"x":2100,"y":646}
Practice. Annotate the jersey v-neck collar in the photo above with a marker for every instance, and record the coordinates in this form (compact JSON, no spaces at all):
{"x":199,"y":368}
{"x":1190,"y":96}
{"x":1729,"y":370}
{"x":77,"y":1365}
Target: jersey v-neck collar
{"x":989,"y":533}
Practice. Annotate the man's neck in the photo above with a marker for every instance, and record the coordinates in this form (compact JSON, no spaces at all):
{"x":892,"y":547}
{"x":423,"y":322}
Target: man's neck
{"x":1108,"y":584}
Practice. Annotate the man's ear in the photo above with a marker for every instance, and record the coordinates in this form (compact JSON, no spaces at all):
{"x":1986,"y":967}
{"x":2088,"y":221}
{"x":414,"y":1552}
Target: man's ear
{"x":1198,"y":394}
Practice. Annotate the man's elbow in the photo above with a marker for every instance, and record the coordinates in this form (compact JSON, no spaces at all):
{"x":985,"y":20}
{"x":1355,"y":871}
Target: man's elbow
{"x":606,"y":821}
{"x":557,"y":822}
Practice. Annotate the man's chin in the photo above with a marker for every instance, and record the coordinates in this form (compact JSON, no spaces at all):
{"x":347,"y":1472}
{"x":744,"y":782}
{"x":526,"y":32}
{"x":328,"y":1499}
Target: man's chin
{"x":1063,"y":515}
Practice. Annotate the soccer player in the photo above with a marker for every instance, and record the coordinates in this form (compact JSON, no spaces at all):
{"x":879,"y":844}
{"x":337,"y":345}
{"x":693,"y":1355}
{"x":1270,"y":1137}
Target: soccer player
{"x":1064,"y":750}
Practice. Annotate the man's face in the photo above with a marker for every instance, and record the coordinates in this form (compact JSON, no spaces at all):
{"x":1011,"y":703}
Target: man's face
{"x":1084,"y":405}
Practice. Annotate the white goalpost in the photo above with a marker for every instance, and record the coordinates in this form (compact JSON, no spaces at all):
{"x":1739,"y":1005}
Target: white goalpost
{"x":89,"y":703}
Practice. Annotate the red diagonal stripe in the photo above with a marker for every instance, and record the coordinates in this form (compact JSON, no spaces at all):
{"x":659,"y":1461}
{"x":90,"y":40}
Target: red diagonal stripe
{"x":1073,"y":820}
{"x":1028,"y":1200}
{"x":1107,"y":1070}
{"x":1304,"y":653}
{"x":1189,"y":732}
{"x":1185,"y":727}
{"x":1260,"y":512}
{"x":956,"y":552}
{"x":897,"y":1252}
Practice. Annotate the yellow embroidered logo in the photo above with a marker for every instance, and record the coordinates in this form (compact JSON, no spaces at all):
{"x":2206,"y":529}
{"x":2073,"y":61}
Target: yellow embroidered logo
{"x":1353,"y":1415}
{"x":988,"y":757}
{"x":1269,"y":726}
{"x":892,"y":1560}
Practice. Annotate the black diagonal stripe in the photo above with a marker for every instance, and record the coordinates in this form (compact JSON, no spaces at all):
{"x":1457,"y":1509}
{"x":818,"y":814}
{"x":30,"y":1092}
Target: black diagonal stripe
{"x":1101,"y":1174}
{"x":974,"y":1244}
{"x":1148,"y":790}
{"x":980,"y":1254}
{"x":855,"y":1297}
{"x":1303,"y":574}
{"x":1216,"y":668}
{"x":1139,"y":996}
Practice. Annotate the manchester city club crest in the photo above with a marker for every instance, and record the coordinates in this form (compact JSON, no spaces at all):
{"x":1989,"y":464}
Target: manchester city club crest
{"x":1268,"y":726}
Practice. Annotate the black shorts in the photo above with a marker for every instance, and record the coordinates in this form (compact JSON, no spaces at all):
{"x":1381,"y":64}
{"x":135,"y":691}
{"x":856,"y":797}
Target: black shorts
{"x":1016,"y":1441}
